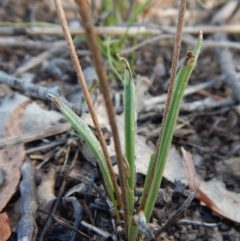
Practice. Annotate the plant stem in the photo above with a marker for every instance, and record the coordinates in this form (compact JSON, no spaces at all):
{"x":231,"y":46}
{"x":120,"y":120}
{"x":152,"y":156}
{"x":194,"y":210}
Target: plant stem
{"x":87,"y":96}
{"x":87,"y":20}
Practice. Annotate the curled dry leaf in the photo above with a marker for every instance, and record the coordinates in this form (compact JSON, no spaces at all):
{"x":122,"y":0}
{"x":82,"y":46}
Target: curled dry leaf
{"x":11,"y":159}
{"x":212,"y":193}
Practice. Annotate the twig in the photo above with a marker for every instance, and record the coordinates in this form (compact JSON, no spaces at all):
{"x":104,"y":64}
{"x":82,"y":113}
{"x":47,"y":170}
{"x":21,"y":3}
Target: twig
{"x":36,"y":91}
{"x":27,"y":229}
{"x":22,"y":42}
{"x":87,"y":96}
{"x":99,"y":231}
{"x":88,"y":181}
{"x":230,"y":76}
{"x":64,"y":223}
{"x":177,"y":214}
{"x":186,"y":39}
{"x":197,"y":223}
{"x":119,"y":30}
{"x":35,"y":135}
{"x":45,"y":147}
{"x":35,"y":61}
{"x":78,"y":214}
{"x":200,"y":105}
{"x":189,"y":90}
{"x":104,"y":84}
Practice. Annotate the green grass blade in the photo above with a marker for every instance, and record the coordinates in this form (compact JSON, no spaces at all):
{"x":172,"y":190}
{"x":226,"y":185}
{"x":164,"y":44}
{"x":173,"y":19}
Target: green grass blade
{"x":110,"y":59}
{"x":129,"y":123}
{"x":133,"y":17}
{"x":129,"y":132}
{"x":170,"y":123}
{"x":87,"y":135}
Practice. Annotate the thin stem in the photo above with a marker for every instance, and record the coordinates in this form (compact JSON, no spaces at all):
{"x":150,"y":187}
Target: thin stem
{"x":176,"y":52}
{"x":92,"y":37}
{"x":87,"y":96}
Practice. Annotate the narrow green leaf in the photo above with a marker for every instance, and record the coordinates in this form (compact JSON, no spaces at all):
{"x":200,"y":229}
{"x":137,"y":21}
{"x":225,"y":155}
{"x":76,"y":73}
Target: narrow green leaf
{"x":87,"y":135}
{"x":129,"y":133}
{"x":129,"y":124}
{"x":170,"y":123}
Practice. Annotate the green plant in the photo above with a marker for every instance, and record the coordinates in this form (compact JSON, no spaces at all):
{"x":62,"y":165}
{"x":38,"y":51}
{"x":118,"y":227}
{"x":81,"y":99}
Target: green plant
{"x":126,"y":161}
{"x":117,"y":10}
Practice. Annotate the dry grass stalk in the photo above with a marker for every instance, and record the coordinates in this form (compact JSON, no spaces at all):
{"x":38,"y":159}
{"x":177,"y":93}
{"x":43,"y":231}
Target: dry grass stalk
{"x":87,"y":96}
{"x":93,"y":44}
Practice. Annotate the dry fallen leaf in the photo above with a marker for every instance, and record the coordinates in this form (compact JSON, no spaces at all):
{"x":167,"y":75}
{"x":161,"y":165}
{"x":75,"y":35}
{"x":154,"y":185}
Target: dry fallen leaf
{"x":11,"y":158}
{"x":35,"y":117}
{"x":5,"y":230}
{"x":212,"y":193}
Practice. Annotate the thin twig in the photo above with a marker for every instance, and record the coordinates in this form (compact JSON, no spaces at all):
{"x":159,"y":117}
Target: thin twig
{"x":119,"y":30}
{"x":22,"y":42}
{"x":86,"y":93}
{"x":37,"y":60}
{"x":197,"y":223}
{"x":104,"y":84}
{"x":176,"y":52}
{"x":230,"y":75}
{"x":178,"y":214}
{"x":64,"y":222}
{"x":35,"y":135}
{"x":189,"y":90}
{"x":33,"y":90}
{"x":99,"y":231}
{"x":199,"y":105}
{"x":45,"y":147}
{"x":186,"y":39}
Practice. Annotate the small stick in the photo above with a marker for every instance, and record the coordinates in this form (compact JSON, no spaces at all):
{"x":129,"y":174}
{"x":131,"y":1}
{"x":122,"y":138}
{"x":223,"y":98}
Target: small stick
{"x":186,"y":39}
{"x":22,"y":42}
{"x":33,"y":62}
{"x":45,"y":147}
{"x":99,"y":231}
{"x":230,"y":75}
{"x":64,"y":223}
{"x":35,"y":135}
{"x":189,"y":90}
{"x":119,"y":30}
{"x":35,"y":90}
{"x":197,"y":223}
{"x":177,"y":214}
{"x":200,"y":105}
